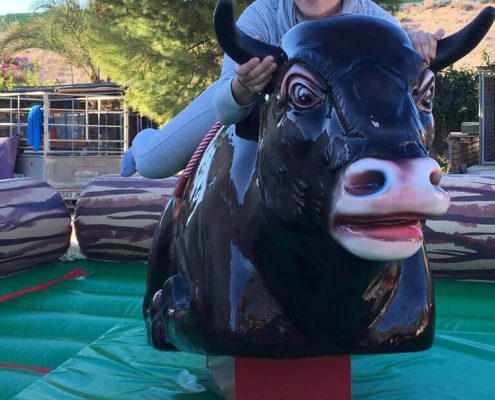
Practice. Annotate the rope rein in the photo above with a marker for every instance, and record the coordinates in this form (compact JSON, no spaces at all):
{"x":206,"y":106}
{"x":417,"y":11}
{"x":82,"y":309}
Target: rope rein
{"x":193,"y":163}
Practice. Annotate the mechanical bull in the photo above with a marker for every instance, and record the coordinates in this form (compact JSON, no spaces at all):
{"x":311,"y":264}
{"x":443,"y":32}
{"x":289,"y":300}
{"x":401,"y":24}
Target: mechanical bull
{"x":301,"y":235}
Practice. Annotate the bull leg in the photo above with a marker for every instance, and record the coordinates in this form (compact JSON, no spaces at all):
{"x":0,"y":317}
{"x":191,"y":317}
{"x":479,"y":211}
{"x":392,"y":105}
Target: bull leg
{"x":160,"y":268}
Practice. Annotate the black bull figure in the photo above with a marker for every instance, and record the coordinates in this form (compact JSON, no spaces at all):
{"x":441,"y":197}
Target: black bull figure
{"x":301,"y":234}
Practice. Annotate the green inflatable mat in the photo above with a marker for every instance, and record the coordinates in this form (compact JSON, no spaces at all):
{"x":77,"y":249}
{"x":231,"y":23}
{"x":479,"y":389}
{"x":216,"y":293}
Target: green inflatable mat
{"x":120,"y":365}
{"x":51,"y":313}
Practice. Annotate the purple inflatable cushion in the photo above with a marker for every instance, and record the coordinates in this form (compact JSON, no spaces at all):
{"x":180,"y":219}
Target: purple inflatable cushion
{"x":8,"y":153}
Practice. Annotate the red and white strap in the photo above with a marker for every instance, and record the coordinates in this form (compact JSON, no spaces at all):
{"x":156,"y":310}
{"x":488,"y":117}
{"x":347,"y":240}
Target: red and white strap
{"x":195,"y":159}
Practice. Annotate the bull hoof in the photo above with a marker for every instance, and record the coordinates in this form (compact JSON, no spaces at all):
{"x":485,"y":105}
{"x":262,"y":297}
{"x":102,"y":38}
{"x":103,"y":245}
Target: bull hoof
{"x":168,"y":304}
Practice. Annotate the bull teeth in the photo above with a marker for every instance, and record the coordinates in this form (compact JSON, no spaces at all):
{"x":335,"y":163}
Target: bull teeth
{"x":394,"y":222}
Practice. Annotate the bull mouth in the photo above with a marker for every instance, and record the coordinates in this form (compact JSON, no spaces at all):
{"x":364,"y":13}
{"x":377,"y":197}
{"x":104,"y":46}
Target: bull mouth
{"x":385,"y":238}
{"x":389,"y":228}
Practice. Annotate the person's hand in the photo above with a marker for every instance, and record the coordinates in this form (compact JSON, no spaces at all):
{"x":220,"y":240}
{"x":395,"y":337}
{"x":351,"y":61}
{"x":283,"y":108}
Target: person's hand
{"x":425,"y":43}
{"x":252,"y":77}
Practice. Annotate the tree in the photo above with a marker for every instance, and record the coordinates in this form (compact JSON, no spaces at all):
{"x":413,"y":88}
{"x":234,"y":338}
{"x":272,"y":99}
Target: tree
{"x":61,"y":28}
{"x":392,"y":6}
{"x":456,"y":101}
{"x":163,"y":51}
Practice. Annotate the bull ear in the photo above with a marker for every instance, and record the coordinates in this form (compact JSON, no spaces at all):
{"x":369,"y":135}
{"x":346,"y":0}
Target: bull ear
{"x":456,"y":46}
{"x":239,"y":46}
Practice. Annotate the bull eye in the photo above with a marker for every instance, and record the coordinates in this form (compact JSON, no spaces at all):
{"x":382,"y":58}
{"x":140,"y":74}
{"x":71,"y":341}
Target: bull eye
{"x":425,"y":103}
{"x":303,"y":97}
{"x":303,"y":93}
{"x":425,"y":93}
{"x":301,"y":88}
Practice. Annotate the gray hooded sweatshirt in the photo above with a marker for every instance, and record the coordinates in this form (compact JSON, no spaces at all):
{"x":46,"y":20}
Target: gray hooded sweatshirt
{"x":269,"y":20}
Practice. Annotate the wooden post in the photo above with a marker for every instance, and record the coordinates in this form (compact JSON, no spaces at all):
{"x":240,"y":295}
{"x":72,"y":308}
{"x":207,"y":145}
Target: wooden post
{"x":319,"y":378}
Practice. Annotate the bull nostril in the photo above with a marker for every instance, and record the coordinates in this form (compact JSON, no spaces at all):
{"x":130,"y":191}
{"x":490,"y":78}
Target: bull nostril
{"x":435,"y":177}
{"x":365,"y":183}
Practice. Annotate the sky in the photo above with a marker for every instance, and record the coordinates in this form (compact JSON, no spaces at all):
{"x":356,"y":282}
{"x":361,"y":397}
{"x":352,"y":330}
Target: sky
{"x":16,"y":6}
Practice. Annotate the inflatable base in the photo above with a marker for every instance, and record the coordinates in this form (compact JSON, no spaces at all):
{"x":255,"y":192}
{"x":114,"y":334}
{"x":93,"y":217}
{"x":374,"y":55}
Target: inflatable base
{"x":458,"y":367}
{"x":35,"y":225}
{"x":461,"y":244}
{"x":116,"y":217}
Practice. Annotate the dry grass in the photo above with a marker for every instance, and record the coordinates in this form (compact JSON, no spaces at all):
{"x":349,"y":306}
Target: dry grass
{"x":54,"y":68}
{"x":463,"y":5}
{"x":450,"y":15}
{"x":434,"y":4}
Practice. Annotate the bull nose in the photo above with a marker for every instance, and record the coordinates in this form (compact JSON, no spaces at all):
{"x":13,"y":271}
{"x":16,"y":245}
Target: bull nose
{"x":369,"y":176}
{"x":377,"y":185}
{"x":364,"y":183}
{"x":436,"y":176}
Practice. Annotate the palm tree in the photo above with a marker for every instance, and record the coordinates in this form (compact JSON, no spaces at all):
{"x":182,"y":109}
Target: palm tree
{"x":60,"y":28}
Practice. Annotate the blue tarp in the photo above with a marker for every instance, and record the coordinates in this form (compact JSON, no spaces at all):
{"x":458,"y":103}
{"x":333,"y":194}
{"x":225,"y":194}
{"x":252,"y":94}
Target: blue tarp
{"x":35,"y":127}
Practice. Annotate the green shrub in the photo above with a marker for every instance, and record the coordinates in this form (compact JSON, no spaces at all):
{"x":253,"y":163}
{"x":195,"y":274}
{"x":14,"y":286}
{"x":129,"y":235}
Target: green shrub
{"x":456,"y":101}
{"x":17,"y":71}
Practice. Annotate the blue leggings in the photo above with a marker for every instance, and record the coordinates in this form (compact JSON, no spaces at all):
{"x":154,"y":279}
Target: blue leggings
{"x":164,"y":152}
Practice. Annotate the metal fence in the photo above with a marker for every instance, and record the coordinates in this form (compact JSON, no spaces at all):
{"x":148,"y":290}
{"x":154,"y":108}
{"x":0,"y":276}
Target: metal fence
{"x":487,"y":114}
{"x":83,"y":134}
{"x":75,"y":124}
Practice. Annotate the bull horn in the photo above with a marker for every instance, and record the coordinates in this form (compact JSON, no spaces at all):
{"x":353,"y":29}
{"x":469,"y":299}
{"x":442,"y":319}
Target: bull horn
{"x":239,"y":46}
{"x":456,"y":46}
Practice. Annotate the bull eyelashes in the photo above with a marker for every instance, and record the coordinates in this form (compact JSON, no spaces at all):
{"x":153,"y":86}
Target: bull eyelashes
{"x":301,"y":89}
{"x":425,"y":91}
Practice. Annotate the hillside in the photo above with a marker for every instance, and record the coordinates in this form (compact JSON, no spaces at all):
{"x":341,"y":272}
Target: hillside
{"x":20,"y":17}
{"x":451,"y":15}
{"x":54,"y":68}
{"x":430,"y":15}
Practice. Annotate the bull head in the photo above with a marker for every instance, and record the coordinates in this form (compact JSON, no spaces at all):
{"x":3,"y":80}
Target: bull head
{"x":358,"y":108}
